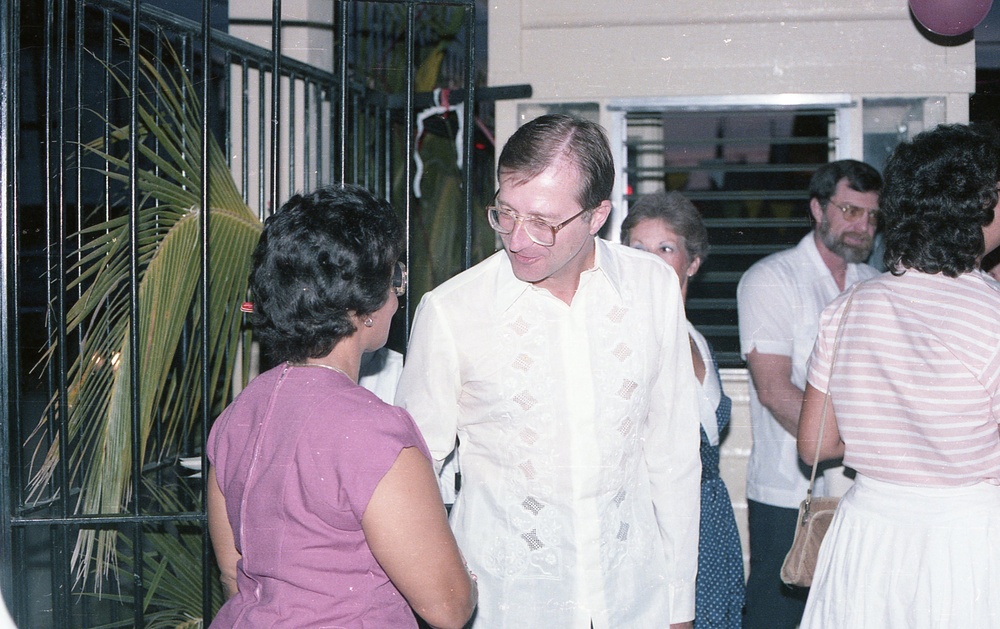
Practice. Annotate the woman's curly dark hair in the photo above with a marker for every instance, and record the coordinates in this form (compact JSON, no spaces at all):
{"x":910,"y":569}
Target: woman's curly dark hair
{"x":940,"y":191}
{"x":322,"y":257}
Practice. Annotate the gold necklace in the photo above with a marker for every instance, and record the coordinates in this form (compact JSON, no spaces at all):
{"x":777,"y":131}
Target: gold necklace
{"x":324,"y":366}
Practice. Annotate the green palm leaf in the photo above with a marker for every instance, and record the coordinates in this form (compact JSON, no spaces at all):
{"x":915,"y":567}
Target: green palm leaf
{"x":99,"y":405}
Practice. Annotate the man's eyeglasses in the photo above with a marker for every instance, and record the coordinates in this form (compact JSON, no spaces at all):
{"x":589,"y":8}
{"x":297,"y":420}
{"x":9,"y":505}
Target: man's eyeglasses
{"x":853,"y":212}
{"x":541,"y":233}
{"x":400,"y":278}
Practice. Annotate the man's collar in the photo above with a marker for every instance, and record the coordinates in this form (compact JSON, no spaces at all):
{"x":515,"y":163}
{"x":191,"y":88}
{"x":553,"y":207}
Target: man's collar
{"x":608,"y":265}
{"x":509,"y":288}
{"x":850,"y":268}
{"x":808,"y":242}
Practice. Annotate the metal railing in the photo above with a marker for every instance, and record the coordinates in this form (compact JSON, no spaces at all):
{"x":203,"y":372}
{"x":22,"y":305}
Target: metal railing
{"x":80,"y":74}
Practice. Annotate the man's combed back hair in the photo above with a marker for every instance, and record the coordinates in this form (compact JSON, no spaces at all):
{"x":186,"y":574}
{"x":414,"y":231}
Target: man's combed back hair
{"x":322,"y":257}
{"x":940,"y":191}
{"x":538,"y":144}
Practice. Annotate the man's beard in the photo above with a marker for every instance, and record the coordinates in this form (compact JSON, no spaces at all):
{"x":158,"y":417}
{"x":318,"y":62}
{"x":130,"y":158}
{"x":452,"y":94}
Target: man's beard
{"x":851,"y":254}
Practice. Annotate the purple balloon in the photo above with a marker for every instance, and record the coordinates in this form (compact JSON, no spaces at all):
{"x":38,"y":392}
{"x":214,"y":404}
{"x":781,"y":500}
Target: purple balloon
{"x":950,"y":17}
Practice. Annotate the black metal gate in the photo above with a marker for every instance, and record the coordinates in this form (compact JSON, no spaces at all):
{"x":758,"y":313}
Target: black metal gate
{"x":112,"y":367}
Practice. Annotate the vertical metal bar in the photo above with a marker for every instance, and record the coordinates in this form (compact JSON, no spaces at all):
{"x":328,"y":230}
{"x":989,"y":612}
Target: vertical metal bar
{"x":322,"y":168}
{"x":53,"y":254}
{"x":361,"y":112}
{"x":306,"y":132}
{"x":322,"y":139}
{"x":323,"y":134}
{"x":275,"y":102}
{"x":469,"y":127}
{"x":186,"y":56}
{"x":333,"y":127}
{"x":77,"y":108}
{"x":78,"y":113}
{"x":11,"y":471}
{"x":363,"y":142}
{"x":385,"y":143}
{"x":291,"y":126}
{"x":261,"y":144}
{"x":133,"y":230}
{"x":227,"y":90}
{"x":206,"y":402}
{"x":59,"y":179}
{"x":331,"y":124}
{"x":244,"y":132}
{"x":158,"y":38}
{"x":408,"y":153}
{"x":317,"y":124}
{"x":106,"y":62}
{"x":355,"y":101}
{"x":342,"y":90}
{"x":8,"y":273}
{"x":53,"y":85}
{"x":358,"y":103}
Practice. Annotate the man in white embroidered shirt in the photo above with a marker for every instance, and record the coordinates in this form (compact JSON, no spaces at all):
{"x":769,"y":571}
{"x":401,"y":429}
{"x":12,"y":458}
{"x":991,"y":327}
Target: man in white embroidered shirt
{"x":562,"y":364}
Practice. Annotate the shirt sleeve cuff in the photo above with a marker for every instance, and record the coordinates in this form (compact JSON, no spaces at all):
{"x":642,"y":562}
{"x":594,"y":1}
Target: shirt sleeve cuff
{"x":778,"y":348}
{"x":681,"y":602}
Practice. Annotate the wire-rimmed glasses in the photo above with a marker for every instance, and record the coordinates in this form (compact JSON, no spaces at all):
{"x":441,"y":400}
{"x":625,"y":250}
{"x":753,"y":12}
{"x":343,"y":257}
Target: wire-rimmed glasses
{"x":541,"y":233}
{"x":853,"y":212}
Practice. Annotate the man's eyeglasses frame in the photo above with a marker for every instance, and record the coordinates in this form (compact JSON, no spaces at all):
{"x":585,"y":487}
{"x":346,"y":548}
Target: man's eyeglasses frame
{"x":494,"y":212}
{"x":853,"y":212}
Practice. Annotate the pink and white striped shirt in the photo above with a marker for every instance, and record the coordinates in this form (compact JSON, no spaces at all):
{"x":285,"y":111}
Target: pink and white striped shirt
{"x":916,"y":388}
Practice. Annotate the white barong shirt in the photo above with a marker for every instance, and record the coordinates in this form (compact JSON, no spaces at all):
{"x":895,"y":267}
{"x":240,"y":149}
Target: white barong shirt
{"x":578,"y":429}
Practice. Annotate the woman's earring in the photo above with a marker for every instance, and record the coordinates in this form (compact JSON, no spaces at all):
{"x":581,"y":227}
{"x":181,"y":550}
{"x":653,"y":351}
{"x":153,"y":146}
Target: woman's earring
{"x":369,"y":323}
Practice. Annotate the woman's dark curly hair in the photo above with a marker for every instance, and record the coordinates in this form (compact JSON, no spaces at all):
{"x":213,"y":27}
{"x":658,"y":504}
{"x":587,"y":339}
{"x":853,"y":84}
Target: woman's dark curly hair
{"x":940,"y":191}
{"x":322,"y":257}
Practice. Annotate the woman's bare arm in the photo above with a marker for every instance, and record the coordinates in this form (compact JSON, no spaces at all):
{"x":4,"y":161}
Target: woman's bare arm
{"x":221,"y":532}
{"x":809,"y":422}
{"x":407,"y":530}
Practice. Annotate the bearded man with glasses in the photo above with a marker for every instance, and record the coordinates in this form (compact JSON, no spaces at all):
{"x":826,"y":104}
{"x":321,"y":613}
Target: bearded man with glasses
{"x":562,"y":365}
{"x":779,"y":300}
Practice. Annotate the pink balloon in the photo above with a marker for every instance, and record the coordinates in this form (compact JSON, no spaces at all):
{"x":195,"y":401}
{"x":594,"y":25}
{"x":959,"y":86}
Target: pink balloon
{"x":950,"y":17}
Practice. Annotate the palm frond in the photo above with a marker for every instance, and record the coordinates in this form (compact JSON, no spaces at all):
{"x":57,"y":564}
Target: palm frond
{"x":174,"y":588}
{"x":99,"y":406}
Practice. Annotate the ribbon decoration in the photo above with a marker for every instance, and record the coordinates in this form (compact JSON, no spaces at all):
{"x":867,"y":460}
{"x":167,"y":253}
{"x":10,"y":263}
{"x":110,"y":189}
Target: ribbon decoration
{"x":441,"y":106}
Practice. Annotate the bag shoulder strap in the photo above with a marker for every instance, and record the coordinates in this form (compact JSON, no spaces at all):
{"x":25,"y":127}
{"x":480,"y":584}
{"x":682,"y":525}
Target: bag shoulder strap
{"x":826,"y":398}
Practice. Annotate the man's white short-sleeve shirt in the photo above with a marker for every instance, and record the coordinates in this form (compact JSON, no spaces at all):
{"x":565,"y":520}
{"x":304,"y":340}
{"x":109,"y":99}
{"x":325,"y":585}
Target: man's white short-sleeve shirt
{"x":780,"y":299}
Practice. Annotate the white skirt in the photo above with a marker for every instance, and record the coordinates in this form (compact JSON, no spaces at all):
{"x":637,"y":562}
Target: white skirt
{"x":909,"y":558}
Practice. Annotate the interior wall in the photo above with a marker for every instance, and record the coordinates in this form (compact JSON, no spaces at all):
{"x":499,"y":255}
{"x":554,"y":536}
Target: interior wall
{"x":307,"y":34}
{"x":593,"y":50}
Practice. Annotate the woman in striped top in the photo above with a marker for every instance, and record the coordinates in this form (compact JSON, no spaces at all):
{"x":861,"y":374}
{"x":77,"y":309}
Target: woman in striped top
{"x":915,"y":395}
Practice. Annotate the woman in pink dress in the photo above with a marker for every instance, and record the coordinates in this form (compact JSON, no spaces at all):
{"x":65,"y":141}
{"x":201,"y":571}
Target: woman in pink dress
{"x":323,"y":506}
